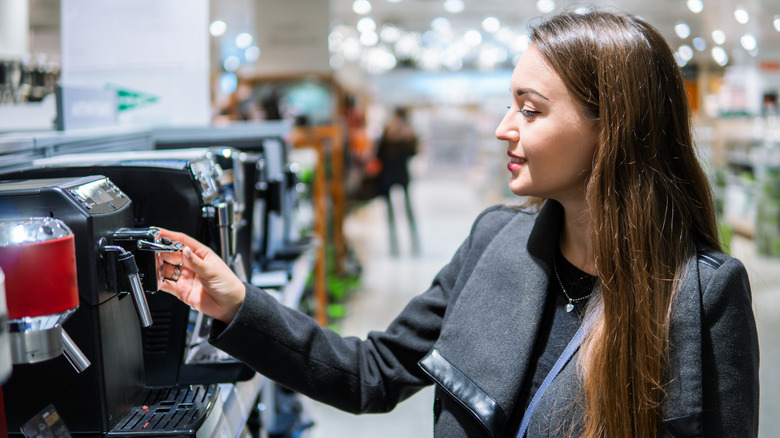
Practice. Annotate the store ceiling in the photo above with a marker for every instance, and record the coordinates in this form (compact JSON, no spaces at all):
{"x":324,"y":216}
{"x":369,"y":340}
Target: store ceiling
{"x":417,"y":16}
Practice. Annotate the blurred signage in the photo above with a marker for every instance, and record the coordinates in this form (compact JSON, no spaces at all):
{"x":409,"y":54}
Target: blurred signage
{"x":769,"y":66}
{"x":79,"y":108}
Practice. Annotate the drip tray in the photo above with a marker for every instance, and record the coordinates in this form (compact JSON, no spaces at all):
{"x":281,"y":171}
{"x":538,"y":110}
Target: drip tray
{"x":174,"y":411}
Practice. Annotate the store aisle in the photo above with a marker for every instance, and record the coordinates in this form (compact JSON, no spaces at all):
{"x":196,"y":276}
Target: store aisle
{"x":446,"y":202}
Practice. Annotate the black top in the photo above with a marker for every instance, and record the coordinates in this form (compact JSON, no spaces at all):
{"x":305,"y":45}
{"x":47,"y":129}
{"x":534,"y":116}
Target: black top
{"x":557,"y":328}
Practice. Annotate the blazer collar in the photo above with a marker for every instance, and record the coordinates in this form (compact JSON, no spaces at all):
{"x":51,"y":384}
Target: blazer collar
{"x":497,"y":315}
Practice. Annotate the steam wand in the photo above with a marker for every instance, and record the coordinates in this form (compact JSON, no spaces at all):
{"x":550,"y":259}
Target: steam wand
{"x":127,"y":261}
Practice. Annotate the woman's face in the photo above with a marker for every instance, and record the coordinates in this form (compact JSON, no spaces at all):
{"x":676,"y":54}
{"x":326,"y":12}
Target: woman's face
{"x":550,"y":142}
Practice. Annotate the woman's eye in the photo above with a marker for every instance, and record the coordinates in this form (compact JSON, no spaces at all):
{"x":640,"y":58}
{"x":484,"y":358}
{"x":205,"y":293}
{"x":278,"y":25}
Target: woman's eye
{"x":529,"y":114}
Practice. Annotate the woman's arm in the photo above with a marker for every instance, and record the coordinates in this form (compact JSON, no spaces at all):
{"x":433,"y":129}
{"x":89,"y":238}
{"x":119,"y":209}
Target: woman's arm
{"x":730,"y":354}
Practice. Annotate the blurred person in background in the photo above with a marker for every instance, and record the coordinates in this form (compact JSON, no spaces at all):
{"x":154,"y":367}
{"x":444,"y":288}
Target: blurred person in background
{"x":605,"y":308}
{"x":397,"y":145}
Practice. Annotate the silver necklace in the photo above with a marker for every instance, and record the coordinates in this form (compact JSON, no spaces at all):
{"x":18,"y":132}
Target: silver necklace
{"x":570,"y":304}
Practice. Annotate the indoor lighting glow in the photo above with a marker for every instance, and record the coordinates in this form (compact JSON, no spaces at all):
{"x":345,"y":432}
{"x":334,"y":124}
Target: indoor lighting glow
{"x":408,"y":46}
{"x":545,"y":6}
{"x":361,"y":7}
{"x":749,"y":42}
{"x":454,"y":6}
{"x":379,"y":60}
{"x":742,"y":15}
{"x":366,"y":24}
{"x":777,"y":23}
{"x":369,"y":39}
{"x":700,"y":44}
{"x":244,"y":40}
{"x":472,"y":38}
{"x":695,"y":6}
{"x":685,"y":52}
{"x":350,"y":48}
{"x":231,"y":63}
{"x":682,"y":30}
{"x":228,"y":83}
{"x":390,"y":33}
{"x":252,"y":53}
{"x":491,"y":24}
{"x":719,"y":37}
{"x":441,"y":24}
{"x":720,"y":56}
{"x":217,"y":28}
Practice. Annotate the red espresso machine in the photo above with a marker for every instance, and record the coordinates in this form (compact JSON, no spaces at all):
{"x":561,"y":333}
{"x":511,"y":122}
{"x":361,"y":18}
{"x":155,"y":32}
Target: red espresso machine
{"x":83,"y":269}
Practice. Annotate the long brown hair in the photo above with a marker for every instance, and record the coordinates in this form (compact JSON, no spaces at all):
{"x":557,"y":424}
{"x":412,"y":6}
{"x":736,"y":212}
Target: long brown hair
{"x":649,"y":201}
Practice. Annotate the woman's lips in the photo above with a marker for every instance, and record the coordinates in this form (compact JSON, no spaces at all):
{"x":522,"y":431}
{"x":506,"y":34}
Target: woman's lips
{"x":515,"y":162}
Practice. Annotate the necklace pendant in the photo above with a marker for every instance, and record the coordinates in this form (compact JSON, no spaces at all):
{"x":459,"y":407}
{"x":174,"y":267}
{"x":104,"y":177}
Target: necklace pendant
{"x":569,"y":307}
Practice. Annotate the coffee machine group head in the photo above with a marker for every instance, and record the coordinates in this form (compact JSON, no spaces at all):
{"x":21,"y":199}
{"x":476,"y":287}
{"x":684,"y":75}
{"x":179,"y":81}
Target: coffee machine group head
{"x":38,"y":257}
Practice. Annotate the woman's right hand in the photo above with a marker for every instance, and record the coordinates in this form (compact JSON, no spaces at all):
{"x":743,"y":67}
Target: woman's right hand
{"x":205,"y":282}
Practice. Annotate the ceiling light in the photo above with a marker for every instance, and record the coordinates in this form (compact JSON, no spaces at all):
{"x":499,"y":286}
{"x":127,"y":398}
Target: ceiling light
{"x":217,"y":28}
{"x":361,"y":7}
{"x":491,"y":24}
{"x":777,"y":23}
{"x":718,"y":36}
{"x":366,"y":24}
{"x":390,"y":33}
{"x":720,"y":56}
{"x":231,"y":63}
{"x":379,"y":60}
{"x":244,"y":40}
{"x":441,"y":24}
{"x":252,"y":53}
{"x":682,"y":30}
{"x":748,"y":41}
{"x":699,"y":43}
{"x":545,"y":6}
{"x":685,"y":52}
{"x":454,"y":6}
{"x":408,"y":45}
{"x":742,"y":15}
{"x":472,"y":38}
{"x":351,"y":49}
{"x":695,"y":6}
{"x":369,"y":39}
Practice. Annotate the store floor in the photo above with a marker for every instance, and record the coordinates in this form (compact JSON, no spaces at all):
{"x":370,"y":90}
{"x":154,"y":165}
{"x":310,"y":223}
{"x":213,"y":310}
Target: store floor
{"x":446,"y":200}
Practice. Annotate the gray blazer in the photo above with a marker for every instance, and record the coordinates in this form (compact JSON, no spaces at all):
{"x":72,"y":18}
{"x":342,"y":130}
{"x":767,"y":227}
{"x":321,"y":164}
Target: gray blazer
{"x":472,"y":333}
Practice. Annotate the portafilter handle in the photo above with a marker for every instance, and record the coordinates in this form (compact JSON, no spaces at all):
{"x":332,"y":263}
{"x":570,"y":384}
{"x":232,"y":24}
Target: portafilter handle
{"x":127,"y":260}
{"x":75,"y":356}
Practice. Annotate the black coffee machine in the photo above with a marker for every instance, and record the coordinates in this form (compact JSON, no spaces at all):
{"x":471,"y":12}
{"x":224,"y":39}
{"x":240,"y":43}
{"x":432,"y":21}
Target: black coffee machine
{"x":182,"y":191}
{"x":271,"y":241}
{"x":114,"y":259}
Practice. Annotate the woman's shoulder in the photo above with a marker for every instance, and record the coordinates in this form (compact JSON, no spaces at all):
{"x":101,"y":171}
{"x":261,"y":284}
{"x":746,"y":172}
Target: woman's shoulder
{"x":496,"y":217}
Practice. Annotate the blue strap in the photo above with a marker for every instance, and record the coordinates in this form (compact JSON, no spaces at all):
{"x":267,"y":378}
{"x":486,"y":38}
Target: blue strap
{"x":563,"y":359}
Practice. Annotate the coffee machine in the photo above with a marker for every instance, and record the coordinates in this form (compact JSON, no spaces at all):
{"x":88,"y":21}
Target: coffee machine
{"x":271,"y":242}
{"x":179,"y":190}
{"x":107,"y":318}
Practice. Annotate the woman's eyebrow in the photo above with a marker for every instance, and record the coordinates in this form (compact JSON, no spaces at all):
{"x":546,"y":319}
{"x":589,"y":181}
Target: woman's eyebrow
{"x":522,"y":91}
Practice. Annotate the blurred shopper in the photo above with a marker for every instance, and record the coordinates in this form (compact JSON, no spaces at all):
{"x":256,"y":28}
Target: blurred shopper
{"x":397,"y":145}
{"x":609,"y":311}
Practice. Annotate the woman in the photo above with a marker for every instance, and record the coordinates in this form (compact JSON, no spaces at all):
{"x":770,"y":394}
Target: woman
{"x":625,"y":239}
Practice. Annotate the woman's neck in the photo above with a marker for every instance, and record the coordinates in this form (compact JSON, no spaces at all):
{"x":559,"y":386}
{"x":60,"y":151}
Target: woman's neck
{"x":576,"y":239}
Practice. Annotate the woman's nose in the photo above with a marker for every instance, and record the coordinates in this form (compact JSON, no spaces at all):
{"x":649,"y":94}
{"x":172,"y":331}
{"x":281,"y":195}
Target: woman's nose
{"x":507,"y":130}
